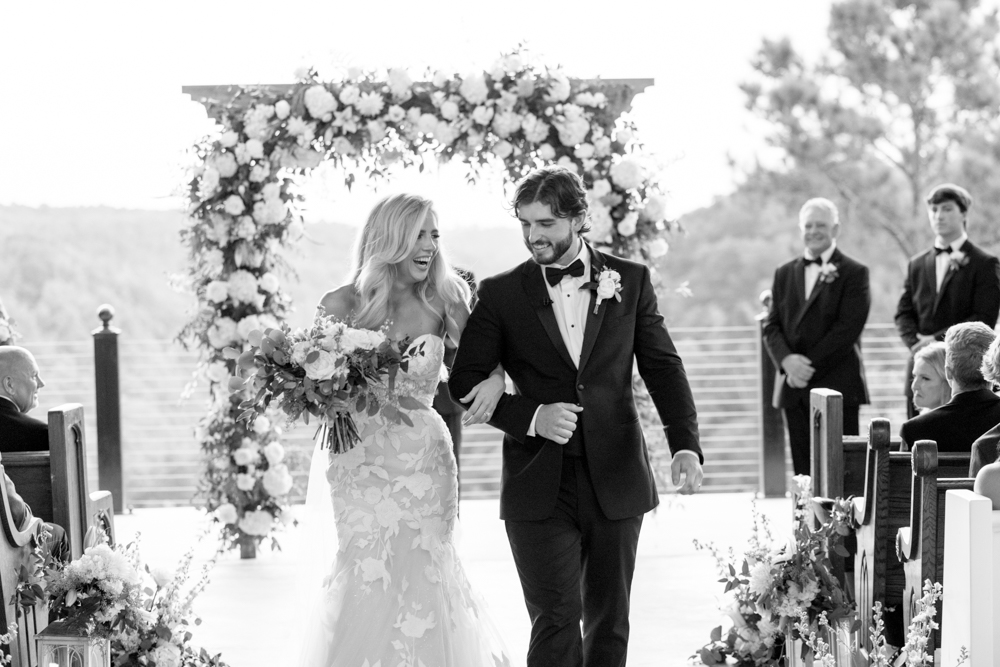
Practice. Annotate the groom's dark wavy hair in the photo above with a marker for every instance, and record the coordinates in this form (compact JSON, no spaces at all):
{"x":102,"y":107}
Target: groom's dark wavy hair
{"x":561,"y":189}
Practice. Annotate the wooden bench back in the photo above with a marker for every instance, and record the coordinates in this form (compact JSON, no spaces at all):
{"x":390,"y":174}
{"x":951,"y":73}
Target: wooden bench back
{"x":31,"y":473}
{"x":15,"y":549}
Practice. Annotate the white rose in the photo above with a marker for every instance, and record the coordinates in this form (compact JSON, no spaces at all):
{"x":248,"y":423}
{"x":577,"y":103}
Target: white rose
{"x":261,"y":425}
{"x":535,"y":129}
{"x":400,"y":83}
{"x":323,"y":367}
{"x":572,"y":131}
{"x":274,"y":453}
{"x":246,"y":325}
{"x":445,"y":133}
{"x":167,"y":655}
{"x":277,"y":480}
{"x":268,"y":322}
{"x":245,"y":482}
{"x":226,"y":513}
{"x":395,"y":114}
{"x":559,"y":88}
{"x":217,"y":372}
{"x":655,"y":209}
{"x":282,"y":109}
{"x":370,"y":104}
{"x":229,"y":139}
{"x":222,"y":333}
{"x":602,"y":146}
{"x":243,"y":286}
{"x":256,"y":522}
{"x":657,"y":248}
{"x":244,"y":457}
{"x":482,"y":115}
{"x":255,"y":148}
{"x":268,"y":283}
{"x":300,"y":351}
{"x":350,"y":95}
{"x":259,"y":172}
{"x":473,"y":88}
{"x":623,"y":136}
{"x":627,"y":226}
{"x":161,"y":576}
{"x":217,"y":291}
{"x":440,"y":78}
{"x":584,"y":151}
{"x":225,"y":164}
{"x":319,"y":102}
{"x":506,"y":123}
{"x":601,"y":188}
{"x":428,"y":123}
{"x":234,"y":205}
{"x":546,"y":152}
{"x":503,"y":149}
{"x":627,"y":174}
{"x":449,"y":110}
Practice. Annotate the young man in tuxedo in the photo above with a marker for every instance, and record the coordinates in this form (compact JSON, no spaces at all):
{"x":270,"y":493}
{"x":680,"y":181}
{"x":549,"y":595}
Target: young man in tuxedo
{"x":955,"y":281}
{"x":576,"y":474}
{"x":19,"y":385}
{"x":813,"y":329}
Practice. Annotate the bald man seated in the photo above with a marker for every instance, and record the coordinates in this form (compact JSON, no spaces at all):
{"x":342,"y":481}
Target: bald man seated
{"x":19,"y":385}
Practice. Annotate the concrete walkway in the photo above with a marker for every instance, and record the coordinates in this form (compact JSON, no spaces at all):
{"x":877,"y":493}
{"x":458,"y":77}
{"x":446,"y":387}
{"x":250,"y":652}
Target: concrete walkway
{"x":252,"y":608}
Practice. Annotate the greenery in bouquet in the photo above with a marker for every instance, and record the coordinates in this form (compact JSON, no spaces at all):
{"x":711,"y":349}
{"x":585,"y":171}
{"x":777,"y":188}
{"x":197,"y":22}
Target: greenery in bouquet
{"x":775,"y":590}
{"x":322,"y":371}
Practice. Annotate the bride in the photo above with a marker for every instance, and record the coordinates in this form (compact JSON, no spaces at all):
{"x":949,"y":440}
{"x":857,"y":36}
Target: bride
{"x":397,"y":593}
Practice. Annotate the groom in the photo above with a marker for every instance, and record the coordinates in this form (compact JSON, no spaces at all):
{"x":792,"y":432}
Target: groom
{"x":576,"y":474}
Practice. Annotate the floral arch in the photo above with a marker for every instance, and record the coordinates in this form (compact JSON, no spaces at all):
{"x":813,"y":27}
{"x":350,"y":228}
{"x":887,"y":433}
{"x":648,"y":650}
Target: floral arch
{"x":515,"y":116}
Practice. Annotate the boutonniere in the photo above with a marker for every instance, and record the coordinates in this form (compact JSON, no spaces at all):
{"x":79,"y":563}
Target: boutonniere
{"x":607,"y":285}
{"x":828,"y":273}
{"x":957,"y":259}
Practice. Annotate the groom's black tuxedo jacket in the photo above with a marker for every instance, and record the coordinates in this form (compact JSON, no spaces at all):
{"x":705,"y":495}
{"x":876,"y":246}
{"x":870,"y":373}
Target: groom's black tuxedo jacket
{"x":19,"y":432}
{"x":969,"y":294}
{"x":826,"y":327}
{"x":514,"y":323}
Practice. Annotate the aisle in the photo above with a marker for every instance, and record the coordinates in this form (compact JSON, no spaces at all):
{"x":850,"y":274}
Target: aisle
{"x":251,"y":609}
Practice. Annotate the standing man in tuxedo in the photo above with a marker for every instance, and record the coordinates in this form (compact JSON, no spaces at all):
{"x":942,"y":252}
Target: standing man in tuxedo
{"x":19,"y":385}
{"x":819,"y":307}
{"x":568,"y":325}
{"x":955,"y":281}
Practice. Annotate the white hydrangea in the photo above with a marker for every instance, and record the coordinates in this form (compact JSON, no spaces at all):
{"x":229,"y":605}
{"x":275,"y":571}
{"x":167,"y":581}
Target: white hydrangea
{"x":212,"y":261}
{"x":226,"y":513}
{"x":244,"y":228}
{"x":473,"y":88}
{"x":217,"y":372}
{"x":350,"y":95}
{"x":584,"y":151}
{"x":225,"y":163}
{"x":259,"y":172}
{"x":243,"y":286}
{"x":445,"y":133}
{"x":234,"y":205}
{"x":449,"y":110}
{"x":376,"y":130}
{"x":628,"y":224}
{"x":319,"y":102}
{"x":627,"y":174}
{"x":546,"y":152}
{"x":506,"y":123}
{"x":245,"y":482}
{"x":274,"y":453}
{"x":268,"y":283}
{"x":222,"y":332}
{"x":572,"y":130}
{"x":167,"y":655}
{"x":535,"y":129}
{"x":482,"y":115}
{"x":428,"y":123}
{"x":217,"y":291}
{"x":277,"y":480}
{"x":601,"y":188}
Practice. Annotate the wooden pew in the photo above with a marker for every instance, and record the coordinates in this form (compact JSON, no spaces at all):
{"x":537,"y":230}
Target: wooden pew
{"x":15,"y":548}
{"x":879,"y":514}
{"x":971,"y":606}
{"x":920,"y":545}
{"x":54,"y":483}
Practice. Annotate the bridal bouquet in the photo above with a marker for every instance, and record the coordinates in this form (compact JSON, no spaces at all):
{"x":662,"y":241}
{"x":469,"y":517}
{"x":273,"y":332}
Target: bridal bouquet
{"x":321,"y":371}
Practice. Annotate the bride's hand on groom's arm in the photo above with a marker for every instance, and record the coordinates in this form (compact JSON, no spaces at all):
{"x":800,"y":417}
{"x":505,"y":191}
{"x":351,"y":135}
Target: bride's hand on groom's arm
{"x":557,"y":421}
{"x":484,"y":397}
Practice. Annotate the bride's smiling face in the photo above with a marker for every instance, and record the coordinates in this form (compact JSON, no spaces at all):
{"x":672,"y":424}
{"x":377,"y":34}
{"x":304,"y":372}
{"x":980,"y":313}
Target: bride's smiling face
{"x":416,"y":266}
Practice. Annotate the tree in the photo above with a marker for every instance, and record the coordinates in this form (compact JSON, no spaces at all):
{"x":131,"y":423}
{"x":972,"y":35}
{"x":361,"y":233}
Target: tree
{"x":906,"y":96}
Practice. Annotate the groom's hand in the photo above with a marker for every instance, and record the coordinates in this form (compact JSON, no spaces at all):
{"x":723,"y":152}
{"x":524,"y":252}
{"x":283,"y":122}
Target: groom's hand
{"x":557,"y":421}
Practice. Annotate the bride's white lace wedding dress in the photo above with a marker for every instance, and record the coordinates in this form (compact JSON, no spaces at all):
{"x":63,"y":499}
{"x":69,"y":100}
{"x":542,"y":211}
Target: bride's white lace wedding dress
{"x":397,"y":595}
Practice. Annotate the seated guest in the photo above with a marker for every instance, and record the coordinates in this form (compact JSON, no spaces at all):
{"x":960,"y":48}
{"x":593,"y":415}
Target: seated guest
{"x":20,"y":512}
{"x":984,"y":450}
{"x":930,"y":387}
{"x":19,"y":385}
{"x":973,"y":408}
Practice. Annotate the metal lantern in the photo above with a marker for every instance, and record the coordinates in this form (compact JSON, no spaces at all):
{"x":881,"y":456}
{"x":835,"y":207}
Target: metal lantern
{"x":67,"y":643}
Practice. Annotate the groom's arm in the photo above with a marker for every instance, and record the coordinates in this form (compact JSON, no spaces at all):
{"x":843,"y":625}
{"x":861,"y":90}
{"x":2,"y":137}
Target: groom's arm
{"x":663,"y":372}
{"x":478,"y":356}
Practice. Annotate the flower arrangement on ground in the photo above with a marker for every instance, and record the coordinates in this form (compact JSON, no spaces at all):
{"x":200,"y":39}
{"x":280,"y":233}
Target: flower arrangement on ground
{"x":320,"y":371}
{"x":779,"y":590}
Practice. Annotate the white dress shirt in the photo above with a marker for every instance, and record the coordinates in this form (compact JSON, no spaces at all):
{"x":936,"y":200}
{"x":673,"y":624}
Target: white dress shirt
{"x":813,"y":270}
{"x":942,"y":259}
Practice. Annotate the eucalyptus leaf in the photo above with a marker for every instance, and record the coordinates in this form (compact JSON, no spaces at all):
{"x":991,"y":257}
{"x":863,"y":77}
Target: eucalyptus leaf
{"x":254,"y":337}
{"x":230,"y":353}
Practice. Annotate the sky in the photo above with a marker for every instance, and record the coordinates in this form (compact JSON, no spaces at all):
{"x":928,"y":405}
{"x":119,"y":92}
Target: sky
{"x":93,"y":113}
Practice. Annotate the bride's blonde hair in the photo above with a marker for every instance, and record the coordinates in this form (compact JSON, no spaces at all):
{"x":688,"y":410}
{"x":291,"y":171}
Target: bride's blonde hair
{"x":387,"y":239}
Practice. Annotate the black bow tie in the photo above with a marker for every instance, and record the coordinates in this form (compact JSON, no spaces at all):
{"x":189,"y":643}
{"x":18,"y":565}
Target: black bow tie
{"x":554,"y":274}
{"x":818,"y":261}
{"x":938,"y":251}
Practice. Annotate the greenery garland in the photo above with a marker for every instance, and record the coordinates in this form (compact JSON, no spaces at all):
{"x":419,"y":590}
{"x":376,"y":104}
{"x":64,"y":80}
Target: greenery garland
{"x":515,"y":116}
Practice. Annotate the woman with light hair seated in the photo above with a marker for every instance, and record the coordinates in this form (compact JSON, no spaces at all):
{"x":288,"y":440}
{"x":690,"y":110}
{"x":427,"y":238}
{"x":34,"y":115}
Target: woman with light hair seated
{"x":986,"y":449}
{"x":930,"y":386}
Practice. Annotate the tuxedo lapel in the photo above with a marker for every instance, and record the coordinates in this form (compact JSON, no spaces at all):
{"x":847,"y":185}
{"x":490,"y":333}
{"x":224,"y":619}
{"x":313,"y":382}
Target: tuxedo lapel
{"x":799,"y":272}
{"x":594,"y":322}
{"x":949,"y":274}
{"x":533,"y":283}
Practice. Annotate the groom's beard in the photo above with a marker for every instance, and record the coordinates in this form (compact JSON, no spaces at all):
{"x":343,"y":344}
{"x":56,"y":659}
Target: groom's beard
{"x":551,"y":251}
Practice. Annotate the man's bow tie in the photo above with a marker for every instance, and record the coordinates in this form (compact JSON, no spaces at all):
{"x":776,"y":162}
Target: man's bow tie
{"x":554,"y":274}
{"x":818,"y":261}
{"x":938,"y":251}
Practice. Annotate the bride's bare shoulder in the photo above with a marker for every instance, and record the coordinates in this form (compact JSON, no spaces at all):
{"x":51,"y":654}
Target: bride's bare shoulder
{"x":341,"y":302}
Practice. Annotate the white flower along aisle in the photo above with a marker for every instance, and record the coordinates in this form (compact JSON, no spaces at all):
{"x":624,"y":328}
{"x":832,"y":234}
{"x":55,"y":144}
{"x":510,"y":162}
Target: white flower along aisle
{"x":517,"y":115}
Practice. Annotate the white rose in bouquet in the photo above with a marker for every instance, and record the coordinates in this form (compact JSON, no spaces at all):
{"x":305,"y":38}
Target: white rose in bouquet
{"x":243,"y":286}
{"x":627,"y":225}
{"x":245,"y":482}
{"x":256,"y":522}
{"x":259,"y":173}
{"x":162,"y":576}
{"x":217,"y":291}
{"x":271,"y":191}
{"x":167,"y":655}
{"x":600,"y":222}
{"x":601,"y":188}
{"x":627,"y":174}
{"x":572,"y":131}
{"x":323,"y":367}
{"x":657,"y":248}
{"x":655,"y":209}
{"x":229,"y":139}
{"x":400,"y":83}
{"x":261,"y":425}
{"x":255,"y":148}
{"x":449,"y":110}
{"x":356,"y":339}
{"x":234,"y":205}
{"x":274,"y":453}
{"x":282,"y":109}
{"x":506,"y":123}
{"x":546,"y":152}
{"x":319,"y":102}
{"x":602,"y":146}
{"x":256,"y":122}
{"x":300,"y":351}
{"x":428,"y":123}
{"x":224,"y":163}
{"x":503,"y":149}
{"x":222,"y":333}
{"x":278,"y":481}
{"x":482,"y":115}
{"x":242,"y":154}
{"x":268,"y":322}
{"x":559,"y":88}
{"x":244,"y":457}
{"x":584,"y":151}
{"x":268,"y":283}
{"x":226,"y":513}
{"x":244,"y":228}
{"x":217,"y":372}
{"x":473,"y":88}
{"x":370,"y":104}
{"x":350,"y":95}
{"x":445,"y":133}
{"x":535,"y":129}
{"x":395,"y":114}
{"x":246,"y":325}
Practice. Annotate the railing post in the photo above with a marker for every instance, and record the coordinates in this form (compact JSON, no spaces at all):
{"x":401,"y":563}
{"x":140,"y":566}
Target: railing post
{"x":108,"y":399}
{"x":772,"y":427}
